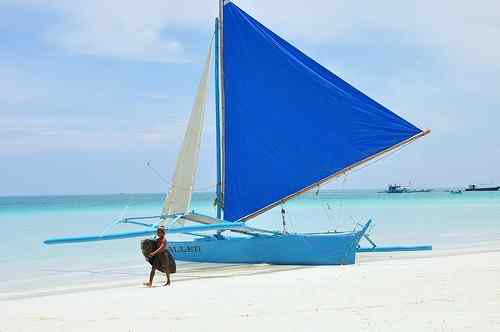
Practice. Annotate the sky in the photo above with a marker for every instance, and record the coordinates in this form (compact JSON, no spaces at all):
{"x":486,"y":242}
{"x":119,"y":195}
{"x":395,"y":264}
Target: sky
{"x":90,"y":91}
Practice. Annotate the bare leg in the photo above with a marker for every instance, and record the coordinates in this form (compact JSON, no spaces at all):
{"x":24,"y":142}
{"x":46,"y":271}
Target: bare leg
{"x":167,"y":272}
{"x":168,"y":278}
{"x":151,"y":276}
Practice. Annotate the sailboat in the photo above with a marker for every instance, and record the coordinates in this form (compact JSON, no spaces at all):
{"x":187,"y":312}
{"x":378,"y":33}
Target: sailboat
{"x":284,"y":125}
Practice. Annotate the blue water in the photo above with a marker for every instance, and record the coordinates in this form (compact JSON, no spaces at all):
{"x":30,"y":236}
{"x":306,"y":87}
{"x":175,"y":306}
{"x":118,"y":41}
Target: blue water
{"x":438,"y":218}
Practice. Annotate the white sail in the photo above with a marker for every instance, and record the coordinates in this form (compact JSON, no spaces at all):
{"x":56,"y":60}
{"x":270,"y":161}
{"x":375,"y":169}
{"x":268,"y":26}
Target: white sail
{"x":179,"y":195}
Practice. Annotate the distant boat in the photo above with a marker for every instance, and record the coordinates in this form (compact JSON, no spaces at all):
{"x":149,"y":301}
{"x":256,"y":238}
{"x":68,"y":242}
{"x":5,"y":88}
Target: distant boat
{"x":400,"y":189}
{"x":396,"y":189}
{"x":474,"y":187}
{"x":456,"y":191}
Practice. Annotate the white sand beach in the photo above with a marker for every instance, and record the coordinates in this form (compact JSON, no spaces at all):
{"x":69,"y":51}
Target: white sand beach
{"x":442,"y":290}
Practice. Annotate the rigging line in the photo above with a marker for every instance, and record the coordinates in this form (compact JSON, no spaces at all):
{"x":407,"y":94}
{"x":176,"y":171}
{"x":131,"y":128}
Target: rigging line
{"x":326,"y":210}
{"x":375,"y":160}
{"x":326,"y":206}
{"x":341,"y":209}
{"x":341,"y":205}
{"x":341,"y":202}
{"x":341,"y":215}
{"x":331,"y":214}
{"x":148,"y":164}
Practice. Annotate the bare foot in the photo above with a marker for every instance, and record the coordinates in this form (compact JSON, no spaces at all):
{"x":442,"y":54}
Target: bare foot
{"x":147,"y":284}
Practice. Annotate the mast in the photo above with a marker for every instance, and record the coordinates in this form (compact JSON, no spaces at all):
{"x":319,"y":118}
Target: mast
{"x":217,"y":122}
{"x":222,"y":100}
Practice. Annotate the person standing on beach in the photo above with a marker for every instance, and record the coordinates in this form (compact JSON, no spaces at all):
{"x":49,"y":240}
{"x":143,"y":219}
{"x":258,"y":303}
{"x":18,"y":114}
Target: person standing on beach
{"x":161,"y":244}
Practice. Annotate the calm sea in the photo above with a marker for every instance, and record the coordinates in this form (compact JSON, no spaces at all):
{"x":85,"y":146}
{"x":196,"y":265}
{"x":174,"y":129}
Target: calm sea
{"x":439,"y":218}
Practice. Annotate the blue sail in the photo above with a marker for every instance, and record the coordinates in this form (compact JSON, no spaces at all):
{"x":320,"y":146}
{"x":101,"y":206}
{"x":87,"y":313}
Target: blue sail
{"x":288,"y":121}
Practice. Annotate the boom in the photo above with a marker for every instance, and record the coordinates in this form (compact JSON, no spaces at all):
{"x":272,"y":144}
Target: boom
{"x":148,"y":232}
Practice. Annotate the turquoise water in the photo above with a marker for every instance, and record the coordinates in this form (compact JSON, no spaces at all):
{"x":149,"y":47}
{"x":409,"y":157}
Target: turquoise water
{"x":437,"y":218}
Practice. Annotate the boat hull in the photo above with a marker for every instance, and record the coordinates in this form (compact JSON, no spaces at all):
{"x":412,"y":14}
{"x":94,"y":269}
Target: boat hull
{"x":286,"y":249}
{"x":483,"y":189}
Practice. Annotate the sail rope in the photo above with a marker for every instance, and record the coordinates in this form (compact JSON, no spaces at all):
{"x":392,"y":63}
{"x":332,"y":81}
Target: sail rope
{"x":328,"y":210}
{"x":335,"y":214}
{"x":375,"y":160}
{"x":339,"y":213}
{"x":148,"y":164}
{"x":341,"y":202}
